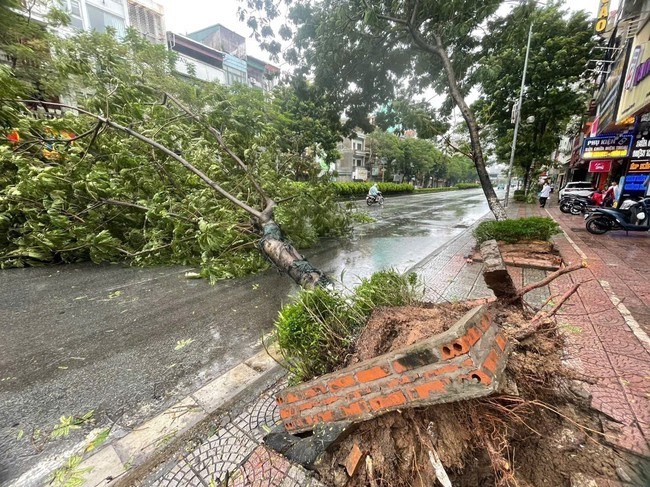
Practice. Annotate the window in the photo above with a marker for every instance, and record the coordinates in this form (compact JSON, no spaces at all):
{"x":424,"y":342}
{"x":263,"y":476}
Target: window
{"x":73,"y":8}
{"x":358,"y":145}
{"x":358,"y":162}
{"x":101,"y":20}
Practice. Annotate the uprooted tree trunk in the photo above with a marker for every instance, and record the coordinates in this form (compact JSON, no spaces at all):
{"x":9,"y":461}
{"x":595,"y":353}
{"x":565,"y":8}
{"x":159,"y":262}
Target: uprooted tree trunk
{"x":273,"y":245}
{"x":498,"y":279}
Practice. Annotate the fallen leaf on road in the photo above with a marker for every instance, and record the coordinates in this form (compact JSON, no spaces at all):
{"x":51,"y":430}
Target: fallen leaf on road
{"x":183,"y":343}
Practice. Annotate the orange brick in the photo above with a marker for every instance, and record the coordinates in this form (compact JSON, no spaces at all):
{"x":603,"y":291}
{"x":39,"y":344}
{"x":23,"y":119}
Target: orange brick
{"x":307,"y":405}
{"x":477,"y":376}
{"x":287,"y":413}
{"x":372,"y":374}
{"x":445,"y":369}
{"x":423,"y":391}
{"x":291,"y":397}
{"x":341,"y":383}
{"x":325,"y":416}
{"x":354,"y":395}
{"x":473,"y":335}
{"x":491,"y":361}
{"x":406,"y":379}
{"x":468,"y":363}
{"x":399,"y":368}
{"x":447,"y":352}
{"x":392,"y":400}
{"x":501,"y":341}
{"x":354,"y":409}
{"x":314,"y":391}
{"x":392,"y":384}
{"x":329,"y":400}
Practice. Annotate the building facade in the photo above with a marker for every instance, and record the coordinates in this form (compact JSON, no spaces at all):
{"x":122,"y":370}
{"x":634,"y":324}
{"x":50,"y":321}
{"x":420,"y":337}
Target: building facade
{"x":219,"y":54}
{"x":611,"y":144}
{"x":354,"y":161}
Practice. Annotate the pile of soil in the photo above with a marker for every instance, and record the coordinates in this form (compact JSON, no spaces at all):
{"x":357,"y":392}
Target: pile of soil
{"x":533,"y":253}
{"x":390,"y":329}
{"x":535,"y":432}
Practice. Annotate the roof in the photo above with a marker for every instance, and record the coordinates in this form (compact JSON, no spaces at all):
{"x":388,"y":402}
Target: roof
{"x":205,"y":32}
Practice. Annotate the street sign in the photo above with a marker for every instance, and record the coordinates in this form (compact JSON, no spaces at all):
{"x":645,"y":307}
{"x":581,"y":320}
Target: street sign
{"x":607,"y":147}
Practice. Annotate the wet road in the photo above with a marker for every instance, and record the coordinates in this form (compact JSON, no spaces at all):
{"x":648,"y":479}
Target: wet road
{"x":103,"y":338}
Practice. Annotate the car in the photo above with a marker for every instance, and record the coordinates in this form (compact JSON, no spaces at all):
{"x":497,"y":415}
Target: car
{"x":577,"y":188}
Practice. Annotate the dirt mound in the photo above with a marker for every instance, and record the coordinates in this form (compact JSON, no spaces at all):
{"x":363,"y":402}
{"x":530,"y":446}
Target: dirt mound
{"x":533,"y":253}
{"x":534,"y":432}
{"x":390,"y":329}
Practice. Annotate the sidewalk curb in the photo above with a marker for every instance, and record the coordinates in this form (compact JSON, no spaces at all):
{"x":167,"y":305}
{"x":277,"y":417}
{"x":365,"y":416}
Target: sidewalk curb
{"x":122,"y":461}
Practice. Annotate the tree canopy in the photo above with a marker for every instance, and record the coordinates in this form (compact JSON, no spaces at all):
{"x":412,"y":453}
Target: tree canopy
{"x":110,"y":181}
{"x":556,"y":88}
{"x":382,"y":46}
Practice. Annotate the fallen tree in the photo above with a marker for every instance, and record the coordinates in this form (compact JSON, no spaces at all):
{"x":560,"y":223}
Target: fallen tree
{"x":148,"y":168}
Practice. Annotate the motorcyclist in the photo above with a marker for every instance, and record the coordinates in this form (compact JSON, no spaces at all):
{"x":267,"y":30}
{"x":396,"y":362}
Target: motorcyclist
{"x":373,"y":192}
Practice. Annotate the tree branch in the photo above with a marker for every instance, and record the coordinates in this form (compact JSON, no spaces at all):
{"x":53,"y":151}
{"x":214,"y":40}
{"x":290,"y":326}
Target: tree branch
{"x":190,"y":167}
{"x":539,"y":319}
{"x":550,"y":278}
{"x":128,"y":204}
{"x":217,"y":134}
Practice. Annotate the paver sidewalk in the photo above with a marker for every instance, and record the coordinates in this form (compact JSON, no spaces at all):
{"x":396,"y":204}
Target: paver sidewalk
{"x":605,"y":323}
{"x":612,"y":312}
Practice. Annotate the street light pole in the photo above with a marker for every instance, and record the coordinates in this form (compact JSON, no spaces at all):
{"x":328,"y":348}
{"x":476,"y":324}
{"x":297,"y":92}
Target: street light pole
{"x":517,"y":117}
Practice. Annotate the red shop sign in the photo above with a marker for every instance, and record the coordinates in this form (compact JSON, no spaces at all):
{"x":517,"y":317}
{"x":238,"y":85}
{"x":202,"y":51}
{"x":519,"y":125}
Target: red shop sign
{"x":600,"y":166}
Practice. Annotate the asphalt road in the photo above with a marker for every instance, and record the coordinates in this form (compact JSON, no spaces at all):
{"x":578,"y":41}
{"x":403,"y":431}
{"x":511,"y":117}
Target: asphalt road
{"x":104,"y":338}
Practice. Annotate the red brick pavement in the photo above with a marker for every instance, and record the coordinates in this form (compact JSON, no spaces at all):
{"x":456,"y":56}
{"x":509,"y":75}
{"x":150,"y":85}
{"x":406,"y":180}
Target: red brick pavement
{"x":599,"y":337}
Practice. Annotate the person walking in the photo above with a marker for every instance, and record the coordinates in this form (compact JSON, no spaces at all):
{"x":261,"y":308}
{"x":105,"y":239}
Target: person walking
{"x":544,"y":194}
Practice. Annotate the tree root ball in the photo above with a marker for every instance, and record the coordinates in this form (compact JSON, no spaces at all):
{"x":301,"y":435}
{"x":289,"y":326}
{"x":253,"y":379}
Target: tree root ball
{"x":536,"y":431}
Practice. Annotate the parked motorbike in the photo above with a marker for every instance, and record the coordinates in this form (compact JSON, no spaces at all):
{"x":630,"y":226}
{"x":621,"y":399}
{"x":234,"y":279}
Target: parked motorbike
{"x":377,"y":199}
{"x":575,"y":205}
{"x":631,"y":217}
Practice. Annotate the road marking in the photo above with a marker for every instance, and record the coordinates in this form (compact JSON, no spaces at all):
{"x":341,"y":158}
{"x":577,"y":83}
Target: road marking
{"x":627,"y":316}
{"x":582,"y":255}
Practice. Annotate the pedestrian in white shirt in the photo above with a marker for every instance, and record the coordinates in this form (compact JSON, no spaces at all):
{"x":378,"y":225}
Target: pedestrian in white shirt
{"x":544,"y":194}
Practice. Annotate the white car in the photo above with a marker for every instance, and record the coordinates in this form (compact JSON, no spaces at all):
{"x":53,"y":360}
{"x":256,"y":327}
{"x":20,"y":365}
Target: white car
{"x":579,"y":188}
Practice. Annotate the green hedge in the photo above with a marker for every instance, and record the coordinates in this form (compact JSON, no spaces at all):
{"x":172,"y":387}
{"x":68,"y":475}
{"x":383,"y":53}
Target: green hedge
{"x":448,"y":188}
{"x":361,"y":189}
{"x":513,"y":231}
{"x":468,"y":185}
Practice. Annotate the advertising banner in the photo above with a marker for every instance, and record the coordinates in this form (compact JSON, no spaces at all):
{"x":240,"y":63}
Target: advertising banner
{"x":607,"y":147}
{"x":636,"y":87}
{"x":600,"y":166}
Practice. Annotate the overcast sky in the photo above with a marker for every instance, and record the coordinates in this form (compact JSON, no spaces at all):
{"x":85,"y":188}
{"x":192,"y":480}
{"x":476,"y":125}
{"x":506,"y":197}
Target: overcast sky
{"x":183,"y":16}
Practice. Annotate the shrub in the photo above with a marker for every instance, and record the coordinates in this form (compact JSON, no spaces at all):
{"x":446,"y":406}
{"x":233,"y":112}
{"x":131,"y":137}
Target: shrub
{"x":513,"y":231}
{"x":361,"y":189}
{"x":468,"y":185}
{"x":317,"y":331}
{"x":520,"y":197}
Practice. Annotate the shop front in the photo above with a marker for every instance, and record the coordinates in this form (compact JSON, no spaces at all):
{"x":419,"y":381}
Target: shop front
{"x":607,"y":157}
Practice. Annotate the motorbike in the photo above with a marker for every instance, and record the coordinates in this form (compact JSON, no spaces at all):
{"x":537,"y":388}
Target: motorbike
{"x":575,"y":204}
{"x":631,"y":217}
{"x":377,"y":199}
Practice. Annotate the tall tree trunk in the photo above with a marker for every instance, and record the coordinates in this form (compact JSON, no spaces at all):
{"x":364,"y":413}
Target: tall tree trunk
{"x":475,"y":141}
{"x":477,"y":152}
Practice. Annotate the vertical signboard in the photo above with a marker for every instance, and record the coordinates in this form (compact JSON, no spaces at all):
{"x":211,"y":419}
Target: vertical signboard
{"x":603,"y":16}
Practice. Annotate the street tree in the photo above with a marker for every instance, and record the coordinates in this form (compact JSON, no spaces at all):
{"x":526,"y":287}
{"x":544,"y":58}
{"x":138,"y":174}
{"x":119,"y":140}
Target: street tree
{"x":378,"y":46}
{"x":556,"y":88}
{"x":148,"y":167}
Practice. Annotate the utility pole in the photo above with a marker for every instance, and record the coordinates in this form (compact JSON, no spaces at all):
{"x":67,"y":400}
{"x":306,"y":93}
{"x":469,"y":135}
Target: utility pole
{"x":517,"y":118}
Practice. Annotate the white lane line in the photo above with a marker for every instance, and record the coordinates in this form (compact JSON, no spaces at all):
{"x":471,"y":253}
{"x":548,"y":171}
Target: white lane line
{"x":582,"y":255}
{"x":627,"y":316}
